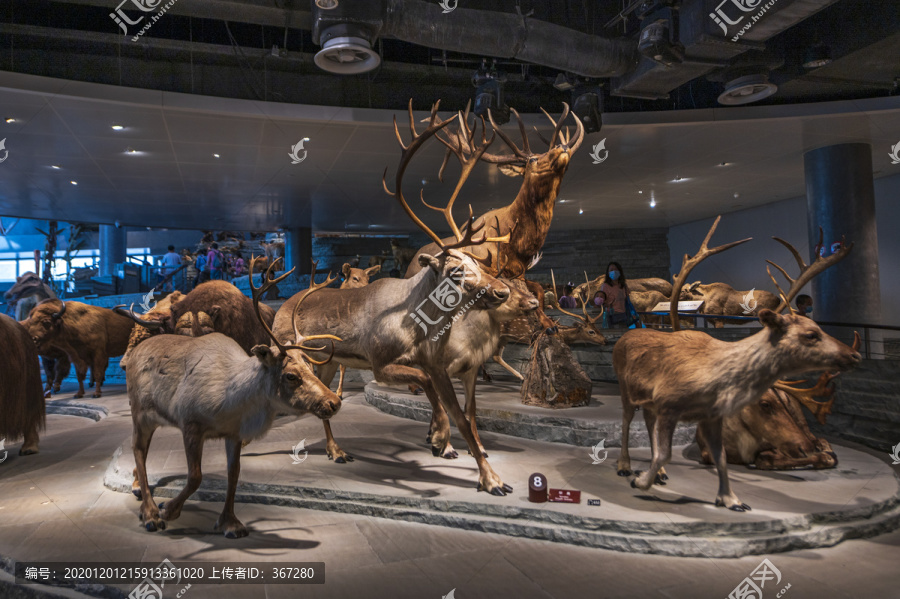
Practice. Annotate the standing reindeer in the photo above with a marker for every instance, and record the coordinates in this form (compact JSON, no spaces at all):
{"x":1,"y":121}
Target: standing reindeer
{"x":527,"y":219}
{"x":689,"y":376}
{"x":210,"y":388}
{"x":385,"y":325}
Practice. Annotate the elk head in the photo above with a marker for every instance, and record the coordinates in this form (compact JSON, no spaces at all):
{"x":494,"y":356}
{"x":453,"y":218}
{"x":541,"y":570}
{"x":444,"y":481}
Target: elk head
{"x":25,"y":283}
{"x":298,"y":386}
{"x":45,"y":321}
{"x":357,"y":277}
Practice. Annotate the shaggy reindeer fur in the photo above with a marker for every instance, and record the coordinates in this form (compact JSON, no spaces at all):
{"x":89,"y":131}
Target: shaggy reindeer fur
{"x":379,"y":334}
{"x":689,"y":376}
{"x":721,"y":298}
{"x":209,"y":388}
{"x":89,"y":335}
{"x":21,"y":396}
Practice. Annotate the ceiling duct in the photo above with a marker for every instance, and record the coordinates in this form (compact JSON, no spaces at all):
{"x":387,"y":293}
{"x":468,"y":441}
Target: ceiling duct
{"x":346,"y":31}
{"x":747,"y":89}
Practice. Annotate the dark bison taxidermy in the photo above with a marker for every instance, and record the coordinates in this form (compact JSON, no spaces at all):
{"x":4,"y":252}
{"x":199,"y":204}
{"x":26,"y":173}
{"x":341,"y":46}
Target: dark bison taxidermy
{"x":21,"y":395}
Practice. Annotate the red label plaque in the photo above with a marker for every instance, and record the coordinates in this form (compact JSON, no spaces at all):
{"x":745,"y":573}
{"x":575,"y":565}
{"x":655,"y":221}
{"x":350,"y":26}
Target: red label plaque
{"x":565,"y":496}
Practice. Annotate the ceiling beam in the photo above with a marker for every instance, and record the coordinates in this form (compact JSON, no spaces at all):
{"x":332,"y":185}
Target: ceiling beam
{"x":257,"y":12}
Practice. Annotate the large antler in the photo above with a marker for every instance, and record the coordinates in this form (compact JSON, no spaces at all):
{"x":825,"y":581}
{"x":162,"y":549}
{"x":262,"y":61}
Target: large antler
{"x":586,"y":319}
{"x":807,"y":271}
{"x":687,"y":265}
{"x":435,"y":125}
{"x":269,"y":280}
{"x":822,"y":388}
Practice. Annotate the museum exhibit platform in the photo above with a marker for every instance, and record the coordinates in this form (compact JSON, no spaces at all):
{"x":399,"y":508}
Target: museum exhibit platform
{"x":395,"y":476}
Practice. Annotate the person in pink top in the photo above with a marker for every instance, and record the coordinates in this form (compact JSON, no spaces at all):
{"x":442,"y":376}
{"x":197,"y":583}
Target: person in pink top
{"x":215,"y":260}
{"x":613,"y":296}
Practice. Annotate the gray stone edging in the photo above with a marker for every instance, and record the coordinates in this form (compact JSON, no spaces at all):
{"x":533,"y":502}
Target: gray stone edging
{"x":552,"y":427}
{"x":69,"y":408}
{"x":695,"y":539}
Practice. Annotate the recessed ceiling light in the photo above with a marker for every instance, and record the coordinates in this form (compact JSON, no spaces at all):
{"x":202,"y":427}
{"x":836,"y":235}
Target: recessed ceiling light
{"x":10,"y":120}
{"x":117,"y":127}
{"x":725,"y":163}
{"x":74,"y":182}
{"x":653,"y":203}
{"x":131,"y":151}
{"x":677,"y":178}
{"x":640,"y":191}
{"x":54,"y":167}
{"x":216,"y":155}
{"x":737,"y":195}
{"x":580,"y":211}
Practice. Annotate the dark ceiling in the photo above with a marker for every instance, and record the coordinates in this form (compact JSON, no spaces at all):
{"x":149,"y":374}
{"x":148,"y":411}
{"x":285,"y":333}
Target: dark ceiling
{"x":263,"y":50}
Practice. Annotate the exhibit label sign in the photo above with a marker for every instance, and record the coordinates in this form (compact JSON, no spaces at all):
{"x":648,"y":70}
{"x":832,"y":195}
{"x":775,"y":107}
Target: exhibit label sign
{"x":565,"y":496}
{"x":691,"y":306}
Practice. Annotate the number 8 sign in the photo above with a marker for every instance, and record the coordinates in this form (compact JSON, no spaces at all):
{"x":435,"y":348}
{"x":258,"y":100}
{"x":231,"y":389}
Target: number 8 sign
{"x":537,"y":488}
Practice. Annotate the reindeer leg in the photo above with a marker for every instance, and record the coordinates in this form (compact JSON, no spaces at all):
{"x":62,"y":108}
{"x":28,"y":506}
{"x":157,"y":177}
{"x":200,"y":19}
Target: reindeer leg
{"x":468,"y":379}
{"x":650,"y":419}
{"x":193,"y":449}
{"x":149,"y":513}
{"x":439,"y":433}
{"x":228,"y":522}
{"x":499,"y":360}
{"x":488,"y":480}
{"x":485,"y":376}
{"x":326,"y":374}
{"x":661,"y":441}
{"x":623,"y":467}
{"x":712,"y":430}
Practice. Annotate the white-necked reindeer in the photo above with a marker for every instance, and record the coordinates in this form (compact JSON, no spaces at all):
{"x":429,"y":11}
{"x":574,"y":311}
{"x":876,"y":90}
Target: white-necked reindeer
{"x":210,"y":388}
{"x":690,"y":376}
{"x":399,"y":328}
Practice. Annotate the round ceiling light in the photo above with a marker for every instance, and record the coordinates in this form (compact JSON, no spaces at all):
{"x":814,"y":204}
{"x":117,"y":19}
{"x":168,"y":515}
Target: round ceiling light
{"x":347,"y":56}
{"x":746,"y":90}
{"x":327,"y":4}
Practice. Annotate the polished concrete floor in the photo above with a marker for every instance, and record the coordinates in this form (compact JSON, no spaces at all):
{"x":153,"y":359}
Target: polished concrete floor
{"x":54,"y":507}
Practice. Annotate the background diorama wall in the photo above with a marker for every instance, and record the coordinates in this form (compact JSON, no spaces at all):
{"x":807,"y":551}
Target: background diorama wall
{"x":744,"y":267}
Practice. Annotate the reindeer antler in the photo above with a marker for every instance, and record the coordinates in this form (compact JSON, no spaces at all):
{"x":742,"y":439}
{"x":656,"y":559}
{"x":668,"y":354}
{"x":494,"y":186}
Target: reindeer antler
{"x":687,"y":265}
{"x":807,"y":271}
{"x":586,"y":319}
{"x":823,"y":388}
{"x":269,"y":280}
{"x":434,"y":125}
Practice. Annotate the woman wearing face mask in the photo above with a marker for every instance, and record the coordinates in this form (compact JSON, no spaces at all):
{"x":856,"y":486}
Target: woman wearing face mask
{"x":613,"y":296}
{"x":804,"y":305}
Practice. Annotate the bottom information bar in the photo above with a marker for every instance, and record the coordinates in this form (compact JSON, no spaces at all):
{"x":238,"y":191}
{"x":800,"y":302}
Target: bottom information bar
{"x":170,"y":573}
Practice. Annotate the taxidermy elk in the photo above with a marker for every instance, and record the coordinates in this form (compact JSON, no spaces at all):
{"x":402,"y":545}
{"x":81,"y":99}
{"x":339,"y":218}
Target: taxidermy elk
{"x":22,"y":411}
{"x":210,"y":388}
{"x":385,"y":325}
{"x":689,"y":376}
{"x":217,"y":302}
{"x":772,"y":433}
{"x":721,"y":298}
{"x":527,"y":220}
{"x":89,"y":335}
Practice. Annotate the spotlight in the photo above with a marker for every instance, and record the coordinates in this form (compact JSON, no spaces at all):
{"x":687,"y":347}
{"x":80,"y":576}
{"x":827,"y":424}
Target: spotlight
{"x":659,"y":40}
{"x":489,"y":93}
{"x":587,"y":105}
{"x":562,"y":83}
{"x":117,"y":127}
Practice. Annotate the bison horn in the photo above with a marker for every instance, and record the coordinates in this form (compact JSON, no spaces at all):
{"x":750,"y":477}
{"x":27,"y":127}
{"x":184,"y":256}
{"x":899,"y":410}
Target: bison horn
{"x":58,"y":315}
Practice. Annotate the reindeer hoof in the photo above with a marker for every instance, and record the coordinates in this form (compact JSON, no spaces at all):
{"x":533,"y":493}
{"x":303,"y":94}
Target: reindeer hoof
{"x":28,"y":451}
{"x":96,"y":394}
{"x":740,"y":508}
{"x":664,"y":476}
{"x":507,"y":488}
{"x":137,"y":493}
{"x":483,"y":452}
{"x":660,"y":480}
{"x":633,"y":484}
{"x":624,"y":472}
